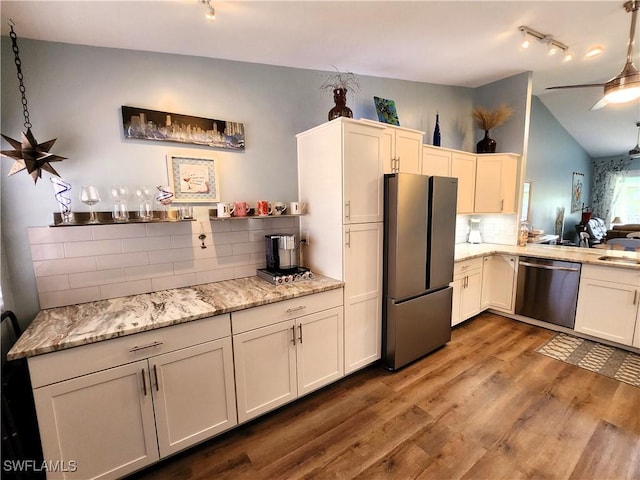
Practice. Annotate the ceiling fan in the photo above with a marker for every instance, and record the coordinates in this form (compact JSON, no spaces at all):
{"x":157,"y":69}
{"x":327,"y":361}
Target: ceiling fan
{"x":625,"y":86}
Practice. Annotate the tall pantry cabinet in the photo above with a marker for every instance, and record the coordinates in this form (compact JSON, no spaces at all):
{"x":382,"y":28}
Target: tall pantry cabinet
{"x":340,"y":175}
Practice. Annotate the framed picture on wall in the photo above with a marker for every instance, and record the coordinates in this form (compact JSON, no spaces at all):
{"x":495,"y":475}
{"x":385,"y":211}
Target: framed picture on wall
{"x":193,"y":179}
{"x":577,"y":187}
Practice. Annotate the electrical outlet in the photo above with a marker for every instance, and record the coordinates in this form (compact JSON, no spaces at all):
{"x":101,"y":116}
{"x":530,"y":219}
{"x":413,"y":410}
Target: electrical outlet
{"x":306,"y":239}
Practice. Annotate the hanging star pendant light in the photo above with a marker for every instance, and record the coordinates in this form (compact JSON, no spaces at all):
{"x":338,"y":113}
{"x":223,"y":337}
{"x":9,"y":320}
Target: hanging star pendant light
{"x":28,"y":154}
{"x":31,"y":155}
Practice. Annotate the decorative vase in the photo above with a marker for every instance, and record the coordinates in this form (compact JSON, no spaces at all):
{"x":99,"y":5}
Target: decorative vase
{"x":341,"y":109}
{"x":486,"y":145}
{"x":436,"y":132}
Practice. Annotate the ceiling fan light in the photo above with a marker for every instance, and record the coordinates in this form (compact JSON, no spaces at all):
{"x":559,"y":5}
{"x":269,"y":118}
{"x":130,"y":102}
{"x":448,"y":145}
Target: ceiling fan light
{"x":623,"y":95}
{"x":568,"y":56}
{"x":594,"y":51}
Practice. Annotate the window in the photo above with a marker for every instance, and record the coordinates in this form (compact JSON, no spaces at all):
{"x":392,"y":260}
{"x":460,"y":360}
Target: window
{"x":627,"y":203}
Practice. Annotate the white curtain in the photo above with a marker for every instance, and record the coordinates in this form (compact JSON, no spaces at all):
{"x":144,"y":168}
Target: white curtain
{"x":608,"y":177}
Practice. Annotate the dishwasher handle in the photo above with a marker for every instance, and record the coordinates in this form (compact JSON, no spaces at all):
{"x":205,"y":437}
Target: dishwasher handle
{"x":550,"y":267}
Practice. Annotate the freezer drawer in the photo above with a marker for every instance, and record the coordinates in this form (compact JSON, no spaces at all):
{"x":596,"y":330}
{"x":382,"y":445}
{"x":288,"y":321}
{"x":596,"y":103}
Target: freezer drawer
{"x":413,"y":328}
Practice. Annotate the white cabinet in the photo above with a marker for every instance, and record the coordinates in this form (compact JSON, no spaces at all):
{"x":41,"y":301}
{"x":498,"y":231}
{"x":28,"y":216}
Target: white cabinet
{"x":116,"y":406}
{"x":467,"y":290}
{"x":285,"y":350}
{"x":463,"y":167}
{"x":403,"y":149}
{"x":436,"y":161}
{"x":496,"y":183}
{"x":498,"y":282}
{"x":363,"y":294}
{"x":608,"y":304}
{"x":340,"y":161}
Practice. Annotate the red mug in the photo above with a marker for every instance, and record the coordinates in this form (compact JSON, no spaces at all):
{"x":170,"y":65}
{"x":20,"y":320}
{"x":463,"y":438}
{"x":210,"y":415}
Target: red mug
{"x":242,"y":209}
{"x":264,"y":208}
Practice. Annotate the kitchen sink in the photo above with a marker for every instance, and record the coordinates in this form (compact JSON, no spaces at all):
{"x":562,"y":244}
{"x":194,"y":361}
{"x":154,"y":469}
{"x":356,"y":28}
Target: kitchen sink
{"x":627,"y":260}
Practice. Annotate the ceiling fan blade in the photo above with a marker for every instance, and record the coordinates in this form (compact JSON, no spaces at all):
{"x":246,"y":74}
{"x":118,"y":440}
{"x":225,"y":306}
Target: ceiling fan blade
{"x":559,"y":87}
{"x":599,"y":104}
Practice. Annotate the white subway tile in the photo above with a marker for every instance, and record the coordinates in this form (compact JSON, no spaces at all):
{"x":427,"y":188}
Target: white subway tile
{"x":94,"y":247}
{"x":47,"y":251}
{"x":105,"y":262}
{"x":248,"y":247}
{"x":175,"y":281}
{"x":107,"y":232}
{"x":239,"y":225}
{"x":171,"y":255}
{"x":184,"y":241}
{"x":210,"y":276}
{"x":99,"y":277}
{"x":244,"y":271}
{"x":54,"y":283}
{"x":125,"y":289}
{"x":59,"y":234}
{"x":145,"y":244}
{"x":168,"y":229}
{"x":234,"y":261}
{"x":195,"y":265}
{"x":218,"y":226}
{"x":62,"y":266}
{"x":148,"y":271}
{"x":214,"y":251}
{"x":230,"y":237}
{"x":69,"y":297}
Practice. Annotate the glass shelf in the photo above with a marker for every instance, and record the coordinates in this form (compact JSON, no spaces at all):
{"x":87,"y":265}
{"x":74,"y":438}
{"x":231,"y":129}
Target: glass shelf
{"x":212,"y":216}
{"x":105,"y":218}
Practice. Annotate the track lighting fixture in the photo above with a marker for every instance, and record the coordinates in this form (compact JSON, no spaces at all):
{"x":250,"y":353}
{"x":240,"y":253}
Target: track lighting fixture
{"x":554,"y":46}
{"x":210,"y":14}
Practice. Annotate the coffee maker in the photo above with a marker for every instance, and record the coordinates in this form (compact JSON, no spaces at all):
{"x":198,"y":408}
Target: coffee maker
{"x":282,"y":252}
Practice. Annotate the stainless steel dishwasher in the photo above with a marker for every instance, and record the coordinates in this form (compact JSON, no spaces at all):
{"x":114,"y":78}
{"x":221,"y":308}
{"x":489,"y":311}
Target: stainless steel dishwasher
{"x":548,"y":290}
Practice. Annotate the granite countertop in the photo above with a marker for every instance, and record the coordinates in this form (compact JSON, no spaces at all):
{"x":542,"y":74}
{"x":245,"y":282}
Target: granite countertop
{"x":466,"y":251}
{"x":74,"y":325}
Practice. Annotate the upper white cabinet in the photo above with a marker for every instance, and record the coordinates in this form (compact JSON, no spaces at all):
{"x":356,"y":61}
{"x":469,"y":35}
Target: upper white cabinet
{"x":403,"y":149}
{"x":487,"y":183}
{"x":608,"y":304}
{"x":496,"y":183}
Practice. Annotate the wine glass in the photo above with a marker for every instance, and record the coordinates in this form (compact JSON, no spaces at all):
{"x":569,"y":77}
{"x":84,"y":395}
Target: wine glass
{"x":164,"y":198}
{"x":120,"y":195}
{"x":144,"y":195}
{"x":89,"y":195}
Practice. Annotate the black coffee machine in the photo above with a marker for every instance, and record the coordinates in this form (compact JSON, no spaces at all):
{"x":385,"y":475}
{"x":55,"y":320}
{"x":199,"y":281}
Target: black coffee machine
{"x":282,"y":252}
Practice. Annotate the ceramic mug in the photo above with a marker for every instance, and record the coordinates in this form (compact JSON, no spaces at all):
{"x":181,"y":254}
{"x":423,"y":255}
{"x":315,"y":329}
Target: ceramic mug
{"x":225,"y":209}
{"x":297,"y":208}
{"x":264,"y":208}
{"x":241,"y":209}
{"x":279,"y":208}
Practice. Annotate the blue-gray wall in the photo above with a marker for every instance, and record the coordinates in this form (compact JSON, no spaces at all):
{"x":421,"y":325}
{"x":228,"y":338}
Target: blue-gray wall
{"x":553,"y":155}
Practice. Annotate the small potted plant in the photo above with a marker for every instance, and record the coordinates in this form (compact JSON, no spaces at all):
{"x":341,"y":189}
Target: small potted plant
{"x":340,"y":83}
{"x":486,"y":120}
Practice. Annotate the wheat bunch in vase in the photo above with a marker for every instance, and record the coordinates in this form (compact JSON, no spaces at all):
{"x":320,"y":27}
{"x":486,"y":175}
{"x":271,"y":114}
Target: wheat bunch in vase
{"x":486,"y":120}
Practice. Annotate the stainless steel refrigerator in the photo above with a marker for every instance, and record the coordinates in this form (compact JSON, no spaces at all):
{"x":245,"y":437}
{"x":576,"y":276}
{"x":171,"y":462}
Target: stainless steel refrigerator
{"x":419,"y":242}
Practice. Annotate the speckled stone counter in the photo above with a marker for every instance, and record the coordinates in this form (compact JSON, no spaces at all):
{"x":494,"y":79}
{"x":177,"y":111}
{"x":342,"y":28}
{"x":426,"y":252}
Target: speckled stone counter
{"x":466,"y":251}
{"x":71,"y":326}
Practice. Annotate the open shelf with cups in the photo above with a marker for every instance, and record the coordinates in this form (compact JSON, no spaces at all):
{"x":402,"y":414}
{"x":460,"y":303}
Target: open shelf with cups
{"x":106,"y":218}
{"x":213,"y":215}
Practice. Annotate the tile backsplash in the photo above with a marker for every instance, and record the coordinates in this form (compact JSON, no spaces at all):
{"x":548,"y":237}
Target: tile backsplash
{"x":94,"y":262}
{"x":494,"y":228}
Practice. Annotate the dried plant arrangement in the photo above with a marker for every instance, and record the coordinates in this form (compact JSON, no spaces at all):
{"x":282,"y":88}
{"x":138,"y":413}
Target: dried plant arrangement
{"x":345,"y":80}
{"x":489,"y":119}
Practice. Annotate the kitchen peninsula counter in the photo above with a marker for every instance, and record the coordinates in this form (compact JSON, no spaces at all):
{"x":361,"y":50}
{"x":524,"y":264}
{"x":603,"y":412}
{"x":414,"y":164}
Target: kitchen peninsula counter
{"x":74,"y":325}
{"x":466,"y":251}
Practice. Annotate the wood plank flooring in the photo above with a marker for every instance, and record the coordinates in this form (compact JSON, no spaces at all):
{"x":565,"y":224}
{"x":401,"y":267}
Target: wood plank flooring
{"x":485,"y":406}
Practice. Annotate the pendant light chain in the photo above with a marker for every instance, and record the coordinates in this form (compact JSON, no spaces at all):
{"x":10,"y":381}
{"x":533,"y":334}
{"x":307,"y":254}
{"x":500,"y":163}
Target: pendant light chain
{"x":14,"y":46}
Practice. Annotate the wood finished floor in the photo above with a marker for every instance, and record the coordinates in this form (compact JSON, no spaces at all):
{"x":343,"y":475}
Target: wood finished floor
{"x":485,"y":406}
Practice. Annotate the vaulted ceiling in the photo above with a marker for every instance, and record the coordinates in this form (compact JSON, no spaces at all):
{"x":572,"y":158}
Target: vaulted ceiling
{"x":461,"y":43}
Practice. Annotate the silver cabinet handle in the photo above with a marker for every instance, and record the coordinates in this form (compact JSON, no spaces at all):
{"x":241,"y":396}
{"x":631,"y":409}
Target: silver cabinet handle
{"x":397,"y":164}
{"x":549,"y":267}
{"x":347,"y":210}
{"x":502,"y":205}
{"x":293,"y":334}
{"x":155,"y":374}
{"x":144,"y":383}
{"x":142,"y":347}
{"x":347,"y":242}
{"x":300,"y":327}
{"x":296,"y":309}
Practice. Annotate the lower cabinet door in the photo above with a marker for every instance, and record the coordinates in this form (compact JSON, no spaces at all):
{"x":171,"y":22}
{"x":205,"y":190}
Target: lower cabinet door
{"x":98,"y":426}
{"x":193,"y":394}
{"x":471,"y":295}
{"x":265,"y":367}
{"x":320,"y":357}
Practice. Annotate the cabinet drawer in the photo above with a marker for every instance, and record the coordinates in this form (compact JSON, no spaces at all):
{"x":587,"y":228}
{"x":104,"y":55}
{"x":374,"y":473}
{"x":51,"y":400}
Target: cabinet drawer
{"x":465,"y":266}
{"x":612,"y":274}
{"x":74,"y":362}
{"x":251,"y":318}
